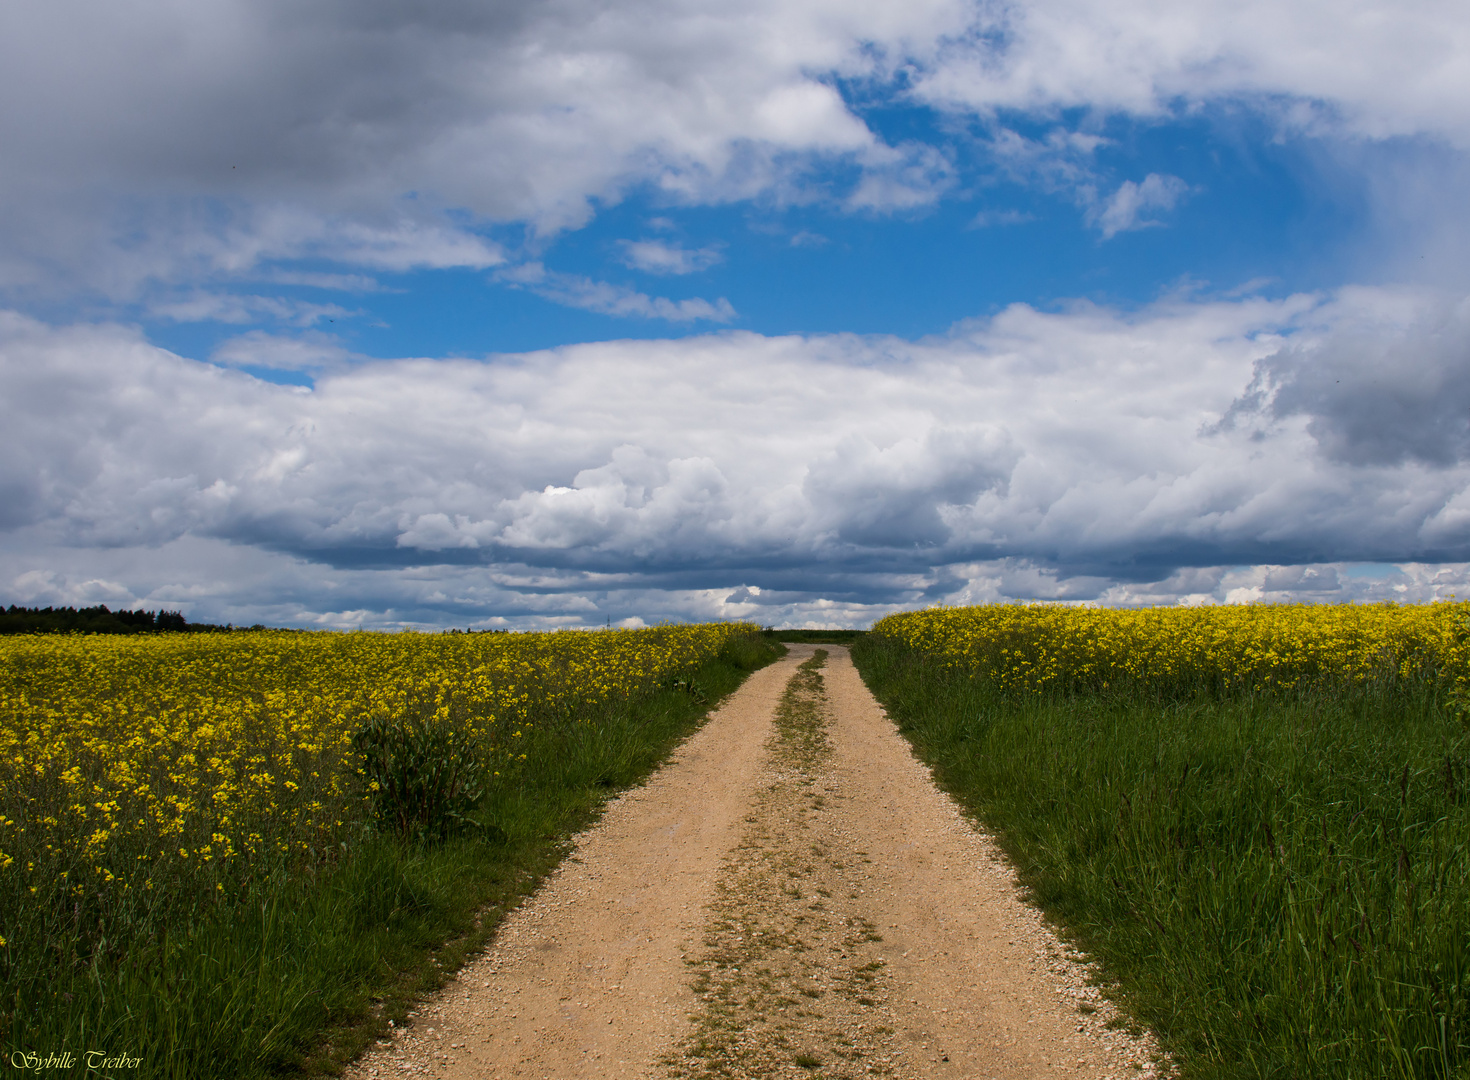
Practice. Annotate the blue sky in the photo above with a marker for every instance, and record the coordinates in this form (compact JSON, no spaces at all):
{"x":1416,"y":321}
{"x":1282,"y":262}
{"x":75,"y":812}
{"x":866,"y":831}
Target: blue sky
{"x":549,"y":313}
{"x":1253,"y":213}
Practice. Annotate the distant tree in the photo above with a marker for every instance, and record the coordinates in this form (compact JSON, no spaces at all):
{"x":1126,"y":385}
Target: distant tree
{"x":97,"y":620}
{"x":170,"y":620}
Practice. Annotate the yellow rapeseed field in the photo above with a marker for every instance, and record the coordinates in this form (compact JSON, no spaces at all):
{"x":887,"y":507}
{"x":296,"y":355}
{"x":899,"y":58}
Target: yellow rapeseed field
{"x":124,"y":760}
{"x":1269,"y":647}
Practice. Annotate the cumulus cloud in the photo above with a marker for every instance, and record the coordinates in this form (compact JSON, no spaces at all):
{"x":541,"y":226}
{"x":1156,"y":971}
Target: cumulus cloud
{"x":1389,"y":387}
{"x":1295,"y":580}
{"x":1050,"y":455}
{"x":897,"y":495}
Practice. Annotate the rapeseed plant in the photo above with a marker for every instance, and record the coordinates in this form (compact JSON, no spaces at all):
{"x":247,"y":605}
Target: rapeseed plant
{"x":147,"y":781}
{"x":1262,"y":647}
{"x":1256,"y":818}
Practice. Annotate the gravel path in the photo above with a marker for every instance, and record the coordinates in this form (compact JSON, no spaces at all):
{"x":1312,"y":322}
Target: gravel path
{"x":791,"y":896}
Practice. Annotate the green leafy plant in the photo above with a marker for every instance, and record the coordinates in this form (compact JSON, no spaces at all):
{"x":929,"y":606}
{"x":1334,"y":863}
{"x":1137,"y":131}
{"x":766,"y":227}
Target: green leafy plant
{"x":685,"y":684}
{"x":423,"y":778}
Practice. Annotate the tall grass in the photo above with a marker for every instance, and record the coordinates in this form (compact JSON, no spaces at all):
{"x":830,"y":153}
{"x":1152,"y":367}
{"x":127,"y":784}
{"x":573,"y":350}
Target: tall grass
{"x":299,"y":967}
{"x":1279,"y":883}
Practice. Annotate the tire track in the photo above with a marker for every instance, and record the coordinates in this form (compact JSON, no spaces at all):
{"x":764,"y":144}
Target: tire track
{"x":790,"y":896}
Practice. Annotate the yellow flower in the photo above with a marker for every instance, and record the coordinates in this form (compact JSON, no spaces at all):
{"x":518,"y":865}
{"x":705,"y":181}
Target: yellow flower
{"x":1261,"y":647}
{"x":233,"y":746}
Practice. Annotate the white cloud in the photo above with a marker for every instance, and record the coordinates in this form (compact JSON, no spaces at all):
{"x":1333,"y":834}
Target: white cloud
{"x":155,"y":142}
{"x":308,"y":352}
{"x":657,"y":257}
{"x":1359,"y":68}
{"x":411,"y":245}
{"x":909,"y":177}
{"x":1387,"y":385}
{"x":805,"y":238}
{"x":240,"y":308}
{"x":1033,"y":455}
{"x":575,"y":290}
{"x":1131,"y":205}
{"x":1059,"y":160}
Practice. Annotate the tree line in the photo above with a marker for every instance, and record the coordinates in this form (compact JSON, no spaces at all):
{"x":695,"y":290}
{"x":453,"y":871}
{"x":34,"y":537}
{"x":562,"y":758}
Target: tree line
{"x":99,"y":620}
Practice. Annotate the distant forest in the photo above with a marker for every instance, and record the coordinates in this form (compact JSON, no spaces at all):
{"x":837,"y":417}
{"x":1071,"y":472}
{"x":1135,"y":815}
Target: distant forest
{"x":98,"y":620}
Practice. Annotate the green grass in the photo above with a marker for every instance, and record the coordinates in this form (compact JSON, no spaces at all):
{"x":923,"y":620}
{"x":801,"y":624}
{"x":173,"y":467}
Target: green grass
{"x":1280,"y":887}
{"x":302,"y":973}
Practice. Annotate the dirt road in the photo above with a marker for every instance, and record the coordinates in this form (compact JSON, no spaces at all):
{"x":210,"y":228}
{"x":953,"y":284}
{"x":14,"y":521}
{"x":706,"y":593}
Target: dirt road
{"x":790,"y":896}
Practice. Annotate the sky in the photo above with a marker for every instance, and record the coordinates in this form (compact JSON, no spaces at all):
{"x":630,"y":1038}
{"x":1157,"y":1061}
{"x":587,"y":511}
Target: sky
{"x":566,"y":314}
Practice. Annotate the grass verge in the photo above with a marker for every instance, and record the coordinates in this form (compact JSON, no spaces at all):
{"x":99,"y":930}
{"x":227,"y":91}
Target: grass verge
{"x":1280,"y":886}
{"x":305,"y":972}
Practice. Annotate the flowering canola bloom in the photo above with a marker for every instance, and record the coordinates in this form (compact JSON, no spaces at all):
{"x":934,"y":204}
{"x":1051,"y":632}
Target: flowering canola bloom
{"x":1263,"y":647}
{"x":125,"y":761}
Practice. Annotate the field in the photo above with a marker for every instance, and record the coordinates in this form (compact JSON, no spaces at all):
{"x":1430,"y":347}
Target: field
{"x":246,"y":853}
{"x":229,"y":854}
{"x":1256,"y":818}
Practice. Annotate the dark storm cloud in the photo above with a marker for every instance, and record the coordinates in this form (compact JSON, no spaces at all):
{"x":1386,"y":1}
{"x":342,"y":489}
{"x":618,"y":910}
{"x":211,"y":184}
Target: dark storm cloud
{"x":1375,"y":396}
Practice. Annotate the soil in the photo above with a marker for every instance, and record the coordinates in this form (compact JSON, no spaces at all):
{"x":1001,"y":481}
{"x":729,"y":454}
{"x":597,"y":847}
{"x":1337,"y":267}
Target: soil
{"x":790,"y":896}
